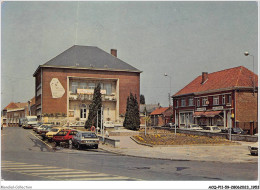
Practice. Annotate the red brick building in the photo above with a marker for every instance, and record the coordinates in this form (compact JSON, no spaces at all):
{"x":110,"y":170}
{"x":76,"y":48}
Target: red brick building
{"x":64,"y":86}
{"x":161,"y":116}
{"x":224,"y":98}
{"x":13,"y":112}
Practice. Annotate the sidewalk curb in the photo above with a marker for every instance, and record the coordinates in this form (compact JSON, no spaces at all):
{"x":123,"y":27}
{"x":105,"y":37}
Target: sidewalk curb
{"x":124,"y":154}
{"x":141,"y":143}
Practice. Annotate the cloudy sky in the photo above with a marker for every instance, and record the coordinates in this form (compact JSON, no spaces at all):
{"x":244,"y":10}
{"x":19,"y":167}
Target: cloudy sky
{"x":182,"y":39}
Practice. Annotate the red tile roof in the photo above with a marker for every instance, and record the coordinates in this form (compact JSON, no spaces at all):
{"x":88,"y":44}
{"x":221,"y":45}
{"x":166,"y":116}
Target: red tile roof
{"x":12,"y":105}
{"x":159,"y":111}
{"x":234,"y":77}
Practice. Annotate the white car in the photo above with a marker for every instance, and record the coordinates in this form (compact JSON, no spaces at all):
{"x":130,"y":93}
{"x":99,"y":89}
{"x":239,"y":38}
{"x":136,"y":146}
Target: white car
{"x":213,"y":129}
{"x":253,"y":149}
{"x":194,"y":127}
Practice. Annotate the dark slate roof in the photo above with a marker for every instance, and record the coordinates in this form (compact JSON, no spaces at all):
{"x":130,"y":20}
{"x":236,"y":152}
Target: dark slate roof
{"x":91,"y":58}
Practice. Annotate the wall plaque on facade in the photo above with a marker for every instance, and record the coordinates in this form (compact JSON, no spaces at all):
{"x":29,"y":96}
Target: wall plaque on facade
{"x":201,"y":109}
{"x":218,"y":108}
{"x":57,"y":89}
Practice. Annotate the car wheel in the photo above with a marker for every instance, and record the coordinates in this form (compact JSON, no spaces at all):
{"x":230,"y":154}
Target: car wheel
{"x":57,"y":143}
{"x":96,"y":146}
{"x":78,"y":146}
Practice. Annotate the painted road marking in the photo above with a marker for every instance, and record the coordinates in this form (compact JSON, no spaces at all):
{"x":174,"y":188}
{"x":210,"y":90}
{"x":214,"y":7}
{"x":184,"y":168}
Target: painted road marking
{"x":26,"y":168}
{"x":52,"y":170}
{"x":82,"y":175}
{"x":41,"y":140}
{"x":56,"y":173}
{"x":62,"y":172}
{"x":102,"y":179}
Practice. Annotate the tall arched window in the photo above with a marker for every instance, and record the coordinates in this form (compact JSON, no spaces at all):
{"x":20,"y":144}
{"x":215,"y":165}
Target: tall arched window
{"x":83,"y":111}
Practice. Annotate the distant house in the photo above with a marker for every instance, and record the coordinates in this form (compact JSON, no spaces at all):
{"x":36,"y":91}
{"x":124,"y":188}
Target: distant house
{"x":161,"y":116}
{"x":13,"y":112}
{"x":147,"y":109}
{"x":225,"y":98}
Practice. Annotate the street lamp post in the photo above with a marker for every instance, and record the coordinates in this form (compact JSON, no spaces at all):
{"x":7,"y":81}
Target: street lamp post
{"x":248,"y":54}
{"x":166,"y":75}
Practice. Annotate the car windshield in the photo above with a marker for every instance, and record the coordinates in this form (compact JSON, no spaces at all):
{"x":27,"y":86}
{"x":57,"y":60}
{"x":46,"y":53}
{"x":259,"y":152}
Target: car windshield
{"x":237,"y":130}
{"x":62,"y":133}
{"x":32,"y":119}
{"x":54,"y":130}
{"x":89,"y":135}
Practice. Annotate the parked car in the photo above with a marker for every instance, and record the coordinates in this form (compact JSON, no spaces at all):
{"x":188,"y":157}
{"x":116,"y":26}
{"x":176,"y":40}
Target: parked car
{"x":54,"y":131}
{"x":64,"y":136}
{"x":170,"y":125}
{"x":85,"y":139}
{"x":194,"y":127}
{"x":213,"y":129}
{"x":41,"y":127}
{"x":253,"y":149}
{"x":236,"y":130}
{"x":45,"y":130}
{"x":37,"y":125}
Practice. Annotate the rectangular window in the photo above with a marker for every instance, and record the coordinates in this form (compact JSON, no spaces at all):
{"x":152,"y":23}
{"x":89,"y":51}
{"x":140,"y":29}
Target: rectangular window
{"x":216,"y":100}
{"x":183,"y":102}
{"x":198,"y":102}
{"x":191,"y":101}
{"x":74,"y":87}
{"x":204,"y":101}
{"x":108,"y":88}
{"x":177,"y":103}
{"x":83,"y":85}
{"x":223,"y":99}
{"x":91,"y":85}
{"x":229,"y":99}
{"x":182,"y":118}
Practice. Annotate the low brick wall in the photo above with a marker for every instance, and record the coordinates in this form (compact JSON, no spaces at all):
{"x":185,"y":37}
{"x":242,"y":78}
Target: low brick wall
{"x":234,"y":137}
{"x":112,"y":133}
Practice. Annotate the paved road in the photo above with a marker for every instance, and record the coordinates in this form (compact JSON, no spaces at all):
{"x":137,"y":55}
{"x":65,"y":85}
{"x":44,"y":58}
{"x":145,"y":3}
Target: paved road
{"x":25,"y":157}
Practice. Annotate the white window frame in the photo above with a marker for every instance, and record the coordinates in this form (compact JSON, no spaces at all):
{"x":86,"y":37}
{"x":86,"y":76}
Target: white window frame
{"x":191,"y":101}
{"x":183,"y":102}
{"x":177,"y":103}
{"x":204,"y":100}
{"x":223,"y":99}
{"x":83,"y":111}
{"x":198,"y":102}
{"x":74,"y":86}
{"x":215,"y":100}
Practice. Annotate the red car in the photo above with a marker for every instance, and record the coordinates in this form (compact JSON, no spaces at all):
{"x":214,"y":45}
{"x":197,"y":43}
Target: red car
{"x":64,"y":136}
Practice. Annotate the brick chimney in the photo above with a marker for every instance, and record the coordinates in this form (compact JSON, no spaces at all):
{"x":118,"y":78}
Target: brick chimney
{"x":204,"y":77}
{"x":114,"y":52}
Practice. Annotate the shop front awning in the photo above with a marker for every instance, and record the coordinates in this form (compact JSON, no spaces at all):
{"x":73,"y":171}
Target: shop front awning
{"x":206,"y":113}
